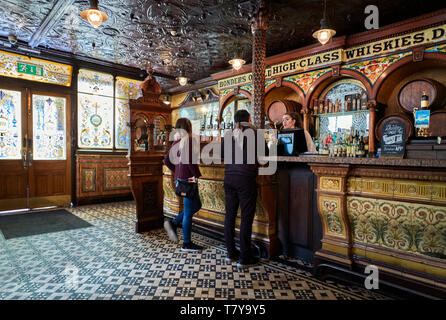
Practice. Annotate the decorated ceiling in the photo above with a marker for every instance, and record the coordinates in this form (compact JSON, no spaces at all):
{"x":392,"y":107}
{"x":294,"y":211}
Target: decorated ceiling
{"x":197,"y":36}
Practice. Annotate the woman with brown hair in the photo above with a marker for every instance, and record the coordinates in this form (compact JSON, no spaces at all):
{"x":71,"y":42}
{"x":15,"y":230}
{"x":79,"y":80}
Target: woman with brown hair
{"x":292,"y":120}
{"x":185,"y":170}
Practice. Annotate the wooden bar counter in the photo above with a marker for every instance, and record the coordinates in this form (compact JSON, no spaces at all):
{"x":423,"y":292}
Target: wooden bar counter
{"x":385,"y":212}
{"x":212,"y":214}
{"x":390,"y":213}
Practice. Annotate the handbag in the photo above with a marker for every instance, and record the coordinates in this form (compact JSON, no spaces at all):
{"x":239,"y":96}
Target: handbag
{"x":183,"y":188}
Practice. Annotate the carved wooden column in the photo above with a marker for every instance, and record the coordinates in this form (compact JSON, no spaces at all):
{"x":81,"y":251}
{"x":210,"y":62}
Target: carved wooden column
{"x":306,"y":118}
{"x":259,"y":25}
{"x":371,"y":105}
{"x":150,"y":128}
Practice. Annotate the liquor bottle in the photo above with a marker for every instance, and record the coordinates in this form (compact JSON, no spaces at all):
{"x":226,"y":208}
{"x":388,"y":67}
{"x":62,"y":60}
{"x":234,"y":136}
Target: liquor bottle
{"x":424,"y":100}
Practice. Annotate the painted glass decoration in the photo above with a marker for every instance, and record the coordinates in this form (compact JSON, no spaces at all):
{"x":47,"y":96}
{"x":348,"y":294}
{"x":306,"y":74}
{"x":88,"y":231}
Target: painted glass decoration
{"x":49,"y":128}
{"x":95,"y":83}
{"x":95,"y":118}
{"x":125,"y":89}
{"x":23,"y":67}
{"x":10,"y":124}
{"x":95,"y":109}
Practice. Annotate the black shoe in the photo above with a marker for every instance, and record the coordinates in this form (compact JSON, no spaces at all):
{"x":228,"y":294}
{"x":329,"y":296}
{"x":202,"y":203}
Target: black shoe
{"x":191,"y":247}
{"x":233,"y":256}
{"x":246,"y":262}
{"x":171,"y":230}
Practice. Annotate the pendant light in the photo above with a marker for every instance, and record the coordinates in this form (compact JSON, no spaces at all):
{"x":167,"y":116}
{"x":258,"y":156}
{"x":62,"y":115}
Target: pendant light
{"x":93,"y":15}
{"x":324,"y":34}
{"x":237,"y":63}
{"x":182,"y":79}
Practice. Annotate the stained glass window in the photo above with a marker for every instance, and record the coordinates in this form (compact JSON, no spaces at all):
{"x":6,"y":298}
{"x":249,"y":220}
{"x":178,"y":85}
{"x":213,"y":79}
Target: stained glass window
{"x":49,"y":128}
{"x":23,"y":67}
{"x":10,"y":124}
{"x":95,"y":110}
{"x":125,"y":89}
{"x":95,"y":118}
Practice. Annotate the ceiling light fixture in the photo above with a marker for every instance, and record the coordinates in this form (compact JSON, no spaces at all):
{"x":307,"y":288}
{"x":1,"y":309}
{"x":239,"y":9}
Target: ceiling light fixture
{"x":237,"y":63}
{"x":93,"y":15}
{"x":324,"y":34}
{"x":182,"y":80}
{"x":166,"y":100}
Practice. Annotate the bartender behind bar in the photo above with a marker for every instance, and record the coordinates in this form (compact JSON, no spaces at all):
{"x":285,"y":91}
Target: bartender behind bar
{"x":292,"y":138}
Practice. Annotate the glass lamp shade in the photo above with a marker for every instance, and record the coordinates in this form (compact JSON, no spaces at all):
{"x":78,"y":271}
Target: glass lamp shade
{"x":237,"y":63}
{"x":182,"y":80}
{"x":324,"y":35}
{"x":95,"y":16}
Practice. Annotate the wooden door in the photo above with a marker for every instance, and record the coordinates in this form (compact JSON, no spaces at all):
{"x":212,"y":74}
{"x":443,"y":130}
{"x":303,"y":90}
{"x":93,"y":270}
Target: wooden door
{"x":35,"y":149}
{"x":14,"y":187}
{"x":49,"y":152}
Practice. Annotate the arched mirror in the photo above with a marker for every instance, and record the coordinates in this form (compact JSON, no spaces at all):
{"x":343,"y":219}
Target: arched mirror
{"x":159,"y":132}
{"x":141,"y":137}
{"x":238,"y":102}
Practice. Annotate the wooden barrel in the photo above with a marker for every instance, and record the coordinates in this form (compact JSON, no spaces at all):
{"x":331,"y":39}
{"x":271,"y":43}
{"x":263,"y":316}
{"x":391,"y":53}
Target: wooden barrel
{"x":410,"y":94}
{"x":401,"y":116}
{"x":437,"y":127}
{"x":279,"y":107}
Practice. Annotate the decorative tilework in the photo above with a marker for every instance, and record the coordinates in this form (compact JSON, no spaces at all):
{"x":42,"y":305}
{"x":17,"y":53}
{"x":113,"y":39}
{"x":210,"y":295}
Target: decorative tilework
{"x":330,"y":209}
{"x":409,"y":227}
{"x":373,"y":68}
{"x":226,"y":92}
{"x":306,"y":79}
{"x":110,"y":261}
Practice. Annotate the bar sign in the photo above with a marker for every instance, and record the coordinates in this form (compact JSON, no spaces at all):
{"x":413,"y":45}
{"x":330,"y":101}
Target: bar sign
{"x":29,"y":69}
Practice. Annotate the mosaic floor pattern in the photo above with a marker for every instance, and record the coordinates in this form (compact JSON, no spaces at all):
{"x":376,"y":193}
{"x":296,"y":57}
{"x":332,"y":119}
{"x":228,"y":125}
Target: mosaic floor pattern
{"x":110,"y":261}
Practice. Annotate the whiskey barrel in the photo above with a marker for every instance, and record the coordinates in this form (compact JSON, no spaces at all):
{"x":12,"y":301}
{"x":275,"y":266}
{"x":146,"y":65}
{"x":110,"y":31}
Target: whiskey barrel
{"x":279,"y":107}
{"x":401,"y":116}
{"x":437,"y":122}
{"x":409,"y":96}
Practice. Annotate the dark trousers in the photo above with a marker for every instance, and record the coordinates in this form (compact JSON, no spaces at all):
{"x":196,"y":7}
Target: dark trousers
{"x":240,"y":190}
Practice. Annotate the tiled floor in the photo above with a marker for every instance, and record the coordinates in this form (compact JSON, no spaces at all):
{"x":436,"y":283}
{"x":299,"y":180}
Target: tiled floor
{"x":110,"y":261}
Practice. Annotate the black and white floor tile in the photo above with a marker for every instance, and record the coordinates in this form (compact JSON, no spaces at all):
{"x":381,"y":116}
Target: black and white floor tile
{"x":110,"y":261}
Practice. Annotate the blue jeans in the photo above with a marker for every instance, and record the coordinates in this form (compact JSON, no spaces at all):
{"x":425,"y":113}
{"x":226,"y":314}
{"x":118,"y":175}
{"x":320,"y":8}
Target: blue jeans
{"x":185,"y":217}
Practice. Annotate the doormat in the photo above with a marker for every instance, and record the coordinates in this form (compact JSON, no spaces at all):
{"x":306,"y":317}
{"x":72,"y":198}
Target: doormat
{"x":34,"y":223}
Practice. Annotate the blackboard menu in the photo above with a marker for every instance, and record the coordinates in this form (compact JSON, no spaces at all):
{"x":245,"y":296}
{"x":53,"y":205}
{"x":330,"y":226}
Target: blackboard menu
{"x":393,"y":138}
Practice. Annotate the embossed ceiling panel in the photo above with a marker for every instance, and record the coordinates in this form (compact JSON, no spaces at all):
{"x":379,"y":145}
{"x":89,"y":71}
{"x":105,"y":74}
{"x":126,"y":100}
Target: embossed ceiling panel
{"x":199,"y":36}
{"x":22,"y":18}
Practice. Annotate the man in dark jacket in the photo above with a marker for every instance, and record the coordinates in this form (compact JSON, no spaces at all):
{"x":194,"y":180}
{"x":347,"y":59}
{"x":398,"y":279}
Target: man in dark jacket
{"x":241,"y":170}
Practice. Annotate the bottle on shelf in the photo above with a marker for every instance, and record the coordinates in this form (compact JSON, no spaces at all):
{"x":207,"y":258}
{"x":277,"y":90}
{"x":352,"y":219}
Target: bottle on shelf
{"x":424,"y":100}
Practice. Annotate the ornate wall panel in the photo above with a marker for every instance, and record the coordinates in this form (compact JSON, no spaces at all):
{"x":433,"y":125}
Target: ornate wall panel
{"x":101,"y":177}
{"x":116,"y":179}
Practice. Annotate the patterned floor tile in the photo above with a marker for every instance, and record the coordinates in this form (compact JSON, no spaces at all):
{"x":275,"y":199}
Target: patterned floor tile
{"x":109,"y":261}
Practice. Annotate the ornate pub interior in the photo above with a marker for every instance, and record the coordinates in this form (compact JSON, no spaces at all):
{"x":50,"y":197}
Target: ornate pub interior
{"x":91,"y":91}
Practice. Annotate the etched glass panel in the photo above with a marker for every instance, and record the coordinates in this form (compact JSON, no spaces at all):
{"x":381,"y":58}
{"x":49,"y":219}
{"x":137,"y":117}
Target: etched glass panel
{"x":95,"y":83}
{"x":10,"y":124}
{"x":122,"y":118}
{"x":23,"y":67}
{"x":125,"y":89}
{"x":95,"y":119}
{"x":49,"y":128}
